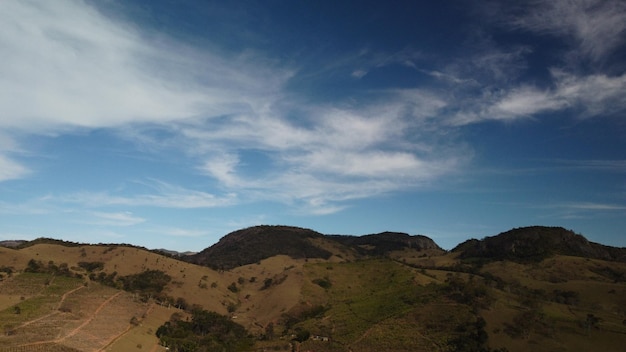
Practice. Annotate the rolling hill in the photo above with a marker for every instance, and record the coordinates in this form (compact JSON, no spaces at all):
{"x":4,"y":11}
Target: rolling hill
{"x":539,"y":288}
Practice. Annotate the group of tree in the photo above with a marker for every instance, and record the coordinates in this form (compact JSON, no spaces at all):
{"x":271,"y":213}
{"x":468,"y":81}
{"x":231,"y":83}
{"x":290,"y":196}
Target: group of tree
{"x":206,"y":331}
{"x":37,"y":266}
{"x":149,"y":283}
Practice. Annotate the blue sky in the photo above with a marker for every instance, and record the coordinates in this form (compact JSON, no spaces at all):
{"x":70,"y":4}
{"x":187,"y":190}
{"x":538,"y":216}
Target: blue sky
{"x":170,"y":124}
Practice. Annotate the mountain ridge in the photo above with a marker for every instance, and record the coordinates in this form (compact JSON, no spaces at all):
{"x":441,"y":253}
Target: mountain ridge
{"x":534,"y":243}
{"x":255,"y":243}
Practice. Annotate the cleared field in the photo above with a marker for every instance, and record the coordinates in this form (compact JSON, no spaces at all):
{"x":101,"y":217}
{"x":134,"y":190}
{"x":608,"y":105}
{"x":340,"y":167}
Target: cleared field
{"x":60,"y":313}
{"x":142,"y":337}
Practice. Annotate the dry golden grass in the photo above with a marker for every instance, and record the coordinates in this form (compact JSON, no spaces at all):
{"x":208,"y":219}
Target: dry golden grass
{"x":142,"y":337}
{"x":187,"y":279}
{"x":12,"y":258}
{"x":257,"y":306}
{"x":87,"y":322}
{"x":562,"y":326}
{"x":426,"y":258}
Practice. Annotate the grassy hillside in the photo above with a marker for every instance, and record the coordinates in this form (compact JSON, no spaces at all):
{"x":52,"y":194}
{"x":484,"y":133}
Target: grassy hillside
{"x":75,"y":297}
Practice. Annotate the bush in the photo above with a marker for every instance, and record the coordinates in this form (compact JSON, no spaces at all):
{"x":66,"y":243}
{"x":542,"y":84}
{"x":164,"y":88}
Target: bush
{"x":267,"y":283}
{"x":233,"y":288}
{"x":91,"y":266}
{"x":323,"y":283}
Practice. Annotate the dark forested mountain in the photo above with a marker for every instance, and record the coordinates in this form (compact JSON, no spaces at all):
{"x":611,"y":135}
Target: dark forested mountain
{"x":253,"y":244}
{"x":536,"y":243}
{"x":385,"y":242}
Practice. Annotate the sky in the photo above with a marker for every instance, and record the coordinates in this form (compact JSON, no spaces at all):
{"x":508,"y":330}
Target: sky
{"x":168,"y":124}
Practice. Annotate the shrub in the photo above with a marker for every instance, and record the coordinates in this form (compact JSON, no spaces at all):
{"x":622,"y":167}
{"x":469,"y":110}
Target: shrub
{"x":323,"y":283}
{"x":233,"y":288}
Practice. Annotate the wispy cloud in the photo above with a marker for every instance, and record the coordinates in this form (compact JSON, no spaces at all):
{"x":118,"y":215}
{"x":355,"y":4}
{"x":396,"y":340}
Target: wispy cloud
{"x":344,"y":153}
{"x":116,"y":219}
{"x":592,"y":206}
{"x":582,"y":210}
{"x":597,"y":27}
{"x":66,"y":65}
{"x":164,"y":195}
{"x":602,"y":164}
{"x":10,"y":169}
{"x":584,"y":96}
{"x":487,"y":84}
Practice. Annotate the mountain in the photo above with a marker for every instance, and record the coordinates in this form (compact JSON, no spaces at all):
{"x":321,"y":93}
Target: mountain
{"x":253,"y":244}
{"x":12,"y":243}
{"x":171,"y":253}
{"x":250,"y":245}
{"x":385,"y":242}
{"x":534,"y":243}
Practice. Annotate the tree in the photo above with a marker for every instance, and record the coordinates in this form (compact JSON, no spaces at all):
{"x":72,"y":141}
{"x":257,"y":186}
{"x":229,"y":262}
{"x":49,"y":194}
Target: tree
{"x":591,"y":322}
{"x":233,"y":288}
{"x":302,"y":335}
{"x":269,"y":331}
{"x":181,"y":303}
{"x":207,"y":331}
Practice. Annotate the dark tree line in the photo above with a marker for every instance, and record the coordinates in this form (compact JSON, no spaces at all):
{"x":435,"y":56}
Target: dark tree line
{"x":206,"y":331}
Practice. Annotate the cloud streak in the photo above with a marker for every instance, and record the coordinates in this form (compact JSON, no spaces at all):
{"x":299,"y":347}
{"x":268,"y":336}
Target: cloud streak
{"x":65,"y":65}
{"x":164,"y":195}
{"x":597,"y":27}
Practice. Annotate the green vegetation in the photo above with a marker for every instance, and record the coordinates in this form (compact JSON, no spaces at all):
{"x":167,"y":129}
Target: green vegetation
{"x":41,"y":293}
{"x":323,"y":283}
{"x":207,"y":331}
{"x":37,"y":266}
{"x":91,"y":266}
{"x":149,"y":283}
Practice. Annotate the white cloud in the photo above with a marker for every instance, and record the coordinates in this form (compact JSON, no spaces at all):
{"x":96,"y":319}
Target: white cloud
{"x":603,"y":165}
{"x":594,"y":206}
{"x":337,"y":154}
{"x":223,"y":168}
{"x":65,"y":65}
{"x":181,"y":232}
{"x":585,"y":96}
{"x":116,"y":219}
{"x":164,"y":195}
{"x":358,"y":73}
{"x":578,"y":210}
{"x":597,"y":26}
{"x":10,"y":170}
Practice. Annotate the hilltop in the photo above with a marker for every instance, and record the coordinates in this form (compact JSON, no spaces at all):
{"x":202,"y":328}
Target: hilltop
{"x":386,"y":242}
{"x":248,"y":246}
{"x":536,"y":243}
